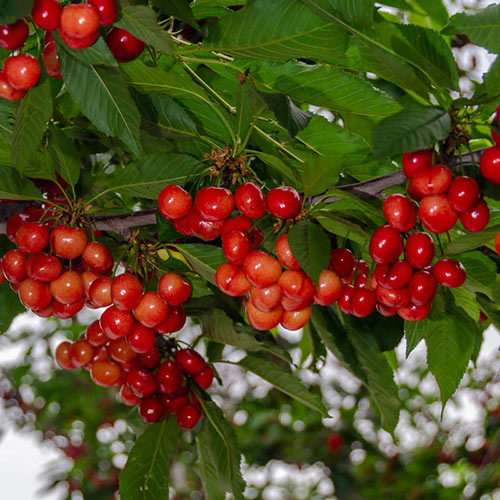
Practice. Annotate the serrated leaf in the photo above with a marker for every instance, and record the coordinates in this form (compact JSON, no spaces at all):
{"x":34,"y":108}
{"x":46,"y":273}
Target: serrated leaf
{"x":471,"y":241}
{"x":141,"y":22}
{"x":357,"y":13}
{"x":481,"y":273}
{"x":218,"y":327}
{"x":15,"y":187}
{"x":205,"y":259}
{"x":173,"y":116}
{"x":146,"y":473}
{"x":467,"y":301}
{"x":416,"y":127}
{"x":30,"y":124}
{"x":321,"y":174}
{"x":415,"y":333}
{"x":342,"y":227}
{"x":311,"y":246}
{"x":65,"y":155}
{"x":283,"y":381}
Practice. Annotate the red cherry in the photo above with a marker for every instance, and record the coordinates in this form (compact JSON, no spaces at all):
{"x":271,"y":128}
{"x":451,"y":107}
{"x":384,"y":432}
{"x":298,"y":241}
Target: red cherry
{"x":400,"y":212}
{"x":294,"y":320}
{"x":266,"y":299}
{"x":363,"y":302}
{"x":386,"y":245}
{"x":250,"y":200}
{"x":422,"y":287}
{"x":414,"y":312}
{"x":105,"y":373}
{"x":240,"y":222}
{"x":116,"y":323}
{"x":67,"y":242}
{"x":477,"y":218}
{"x":66,"y":311}
{"x":205,"y":378}
{"x":13,"y":225}
{"x":94,"y":335}
{"x":293,"y":305}
{"x":152,"y":310}
{"x":261,"y":269}
{"x":174,"y":202}
{"x":141,"y":339}
{"x":106,"y":9}
{"x":47,"y":14}
{"x":88,"y":277}
{"x":190,"y":361}
{"x":100,"y":292}
{"x":188,"y":416}
{"x":396,"y":297}
{"x":32,"y":237}
{"x":214,"y":203}
{"x":344,"y":302}
{"x":79,"y":20}
{"x":419,"y":250}
{"x":414,"y":161}
{"x":263,"y":320}
{"x":14,"y":266}
{"x":386,"y":311}
{"x":284,"y":202}
{"x":174,"y":404}
{"x":78,"y":43}
{"x":51,"y":61}
{"x":341,"y":261}
{"x":64,"y":355}
{"x":497,"y":243}
{"x":68,"y":288}
{"x":256,"y":238}
{"x":12,"y":36}
{"x":394,"y":275}
{"x":126,"y":291}
{"x":120,"y":351}
{"x":490,"y":164}
{"x":463,"y":194}
{"x":44,"y":267}
{"x":8,"y":92}
{"x":436,"y":214}
{"x":96,"y":256}
{"x":141,"y":382}
{"x":175,"y":320}
{"x":169,"y":378}
{"x":207,"y":229}
{"x":284,"y":253}
{"x":34,"y":294}
{"x":21,"y":71}
{"x":150,"y":359}
{"x":296,"y":285}
{"x":236,"y":246}
{"x":124,"y":46}
{"x":329,"y":288}
{"x":431,"y":180}
{"x":151,"y":410}
{"x":231,"y":280}
{"x":335,"y":442}
{"x":81,"y":353}
{"x":127,"y":397}
{"x":449,"y":272}
{"x":174,"y":289}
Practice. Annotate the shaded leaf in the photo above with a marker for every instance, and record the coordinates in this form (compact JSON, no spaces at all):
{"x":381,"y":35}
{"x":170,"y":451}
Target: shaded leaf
{"x":10,"y":306}
{"x":481,"y":273}
{"x":180,"y":9}
{"x":357,"y":13}
{"x":205,"y":259}
{"x":342,"y":227}
{"x":65,"y":155}
{"x":321,"y":174}
{"x":471,"y":241}
{"x":12,"y":10}
{"x":15,"y":187}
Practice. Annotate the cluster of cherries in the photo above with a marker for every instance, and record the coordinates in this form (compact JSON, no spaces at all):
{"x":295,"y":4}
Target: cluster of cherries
{"x":78,"y":27}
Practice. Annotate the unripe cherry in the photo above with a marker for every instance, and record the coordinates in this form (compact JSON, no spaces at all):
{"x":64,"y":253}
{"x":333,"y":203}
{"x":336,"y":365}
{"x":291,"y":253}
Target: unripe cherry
{"x":105,"y":373}
{"x":63,"y":355}
{"x":120,"y":351}
{"x":81,"y":353}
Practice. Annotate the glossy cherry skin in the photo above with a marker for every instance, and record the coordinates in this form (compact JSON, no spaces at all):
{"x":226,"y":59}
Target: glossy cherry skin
{"x":94,"y":334}
{"x":284,"y":253}
{"x":8,"y":92}
{"x":414,"y":161}
{"x":463,"y":193}
{"x":47,"y":14}
{"x":400,"y":212}
{"x":236,"y":246}
{"x":127,"y":397}
{"x":78,"y":43}
{"x":422,"y":287}
{"x":151,"y":410}
{"x":32,"y":237}
{"x":250,"y":200}
{"x":263,"y":320}
{"x":68,"y":288}
{"x":190,"y":361}
{"x":214,"y":203}
{"x":174,"y":289}
{"x":141,"y":382}
{"x":419,"y":250}
{"x":79,"y":20}
{"x":386,"y":245}
{"x":51,"y":60}
{"x":176,"y":319}
{"x":63,"y":355}
{"x":436,"y":214}
{"x":477,"y":218}
{"x":169,"y":378}
{"x":449,"y":272}
{"x":150,"y":359}
{"x":344,"y":302}
{"x":82,"y":353}
{"x":96,"y":256}
{"x":267,"y":298}
{"x":261,"y":269}
{"x":188,"y":416}
{"x":105,"y":373}
{"x":490,"y":164}
{"x":66,"y":311}
{"x":414,"y":312}
{"x":22,"y":71}
{"x":120,"y":351}
{"x":296,"y":285}
{"x":341,"y":261}
{"x":152,"y":310}
{"x":396,"y":297}
{"x":394,"y":275}
{"x":240,"y":222}
{"x":205,"y":378}
{"x":206,"y":229}
{"x":386,"y":311}
{"x":13,"y":35}
{"x":126,"y":291}
{"x":329,"y":288}
{"x":431,"y":180}
{"x":68,"y":242}
{"x":232,"y":280}
{"x":116,"y":323}
{"x":295,"y":320}
{"x":363,"y":302}
{"x":141,"y":339}
{"x":106,"y":9}
{"x":284,"y":202}
{"x":124,"y":46}
{"x":34,"y":294}
{"x":100,"y":292}
{"x":174,"y":202}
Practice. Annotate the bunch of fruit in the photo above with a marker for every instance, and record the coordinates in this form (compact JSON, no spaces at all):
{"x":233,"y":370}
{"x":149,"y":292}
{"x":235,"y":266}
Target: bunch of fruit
{"x":78,"y":27}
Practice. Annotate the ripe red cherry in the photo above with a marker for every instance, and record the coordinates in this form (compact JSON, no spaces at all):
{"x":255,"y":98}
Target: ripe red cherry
{"x":169,"y":377}
{"x":400,"y":212}
{"x":126,"y":291}
{"x":8,"y":92}
{"x":151,"y":410}
{"x":96,"y":256}
{"x":344,"y":302}
{"x":127,"y":397}
{"x":363,"y":302}
{"x":82,"y":353}
{"x":22,"y":71}
{"x":152,"y":310}
{"x":100,"y":292}
{"x":32,"y":237}
{"x":419,"y":250}
{"x":396,"y":297}
{"x":449,"y":272}
{"x":422,"y":288}
{"x":124,"y":46}
{"x":240,"y":222}
{"x":174,"y":404}
{"x":250,"y":200}
{"x":78,"y":43}
{"x":266,"y":299}
{"x":47,"y":14}
{"x":232,"y":280}
{"x":116,"y":323}
{"x":105,"y":373}
{"x":341,"y":262}
{"x":120,"y":351}
{"x":296,"y":285}
{"x":394,"y":275}
{"x":490,"y":164}
{"x":414,"y":312}
{"x":174,"y":202}
{"x":94,"y":334}
{"x":261,"y":269}
{"x":34,"y":294}
{"x":205,"y":378}
{"x":64,"y":355}
{"x":175,"y":320}
{"x":141,"y":382}
{"x":293,"y":305}
{"x":141,"y":339}
{"x":497,"y":243}
{"x":436,"y":214}
{"x":66,"y":311}
{"x":386,"y":311}
{"x":263,"y":320}
{"x":477,"y":218}
{"x":13,"y":35}
{"x":431,"y":180}
{"x":150,"y":359}
{"x":329,"y":288}
{"x":284,"y":253}
{"x":190,"y":361}
{"x":206,"y":229}
{"x":68,"y":242}
{"x":174,"y":289}
{"x":463,"y":194}
{"x":294,"y":320}
{"x":236,"y":246}
{"x":51,"y":60}
{"x":284,"y":202}
{"x":386,"y":245}
{"x":188,"y":416}
{"x":214,"y":203}
{"x":79,"y":20}
{"x":414,"y":161}
{"x":106,"y":9}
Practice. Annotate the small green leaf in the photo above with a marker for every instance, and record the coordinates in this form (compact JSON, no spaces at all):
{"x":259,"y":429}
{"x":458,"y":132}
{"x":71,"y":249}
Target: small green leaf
{"x":471,"y":241}
{"x":467,"y":301}
{"x":205,"y":259}
{"x":342,"y":227}
{"x":15,"y":187}
{"x":481,"y":273}
{"x":65,"y":155}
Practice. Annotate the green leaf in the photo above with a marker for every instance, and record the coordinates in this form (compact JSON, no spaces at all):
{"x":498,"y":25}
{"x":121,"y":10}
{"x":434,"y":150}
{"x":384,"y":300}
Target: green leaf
{"x":180,"y":9}
{"x":415,"y":332}
{"x":311,"y":246}
{"x":65,"y":155}
{"x":357,"y":13}
{"x":12,"y":10}
{"x":279,"y":166}
{"x":219,"y":455}
{"x":205,"y":259}
{"x":10,"y":306}
{"x":481,"y":273}
{"x":141,"y":22}
{"x":218,"y":327}
{"x":471,"y":241}
{"x":15,"y":187}
{"x":32,"y":116}
{"x":416,"y":127}
{"x":321,"y":174}
{"x":280,"y":30}
{"x":97,"y":53}
{"x":342,"y":227}
{"x":482,"y":27}
{"x":146,"y":474}
{"x":283,"y":381}
{"x":173,"y":116}
{"x":145,"y":178}
{"x":249,"y":105}
{"x":467,"y":301}
{"x":436,"y":9}
{"x":103,"y":98}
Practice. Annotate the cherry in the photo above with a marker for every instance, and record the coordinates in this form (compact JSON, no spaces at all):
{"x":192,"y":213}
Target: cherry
{"x":293,"y":305}
{"x":296,"y":285}
{"x":497,"y":243}
{"x":141,"y":382}
{"x":116,"y":323}
{"x":394,"y":275}
{"x":294,"y":320}
{"x":341,"y":262}
{"x":414,"y":312}
{"x":284,"y":253}
{"x":463,"y":194}
{"x":152,"y":310}
{"x":240,"y":222}
{"x":31,"y":237}
{"x":120,"y":351}
{"x":174,"y":322}
{"x":105,"y":373}
{"x":174,"y":289}
{"x":88,"y":277}
{"x":284,"y":202}
{"x":106,"y":9}
{"x":81,"y":353}
{"x":414,"y":161}
{"x":96,"y":256}
{"x":68,"y":288}
{"x":329,"y":288}
{"x":188,"y":416}
{"x":34,"y":294}
{"x":386,"y":311}
{"x":94,"y":335}
{"x":386,"y":245}
{"x":47,"y":14}
{"x":151,"y":410}
{"x":12,"y":36}
{"x":263,"y":320}
{"x":419,"y":250}
{"x":9,"y":93}
{"x":335,"y":442}
{"x":68,"y":242}
{"x":174,"y":404}
{"x":22,"y":71}
{"x":490,"y":164}
{"x":422,"y":287}
{"x":214,"y":203}
{"x":141,"y":339}
{"x":436,"y":214}
{"x":150,"y":359}
{"x":51,"y":60}
{"x":79,"y":20}
{"x":431,"y":180}
{"x":344,"y":302}
{"x":124,"y":46}
{"x":231,"y":280}
{"x":400,"y":212}
{"x":126,"y":291}
{"x":127,"y":397}
{"x":396,"y":297}
{"x":261,"y":269}
{"x":449,"y":272}
{"x":100,"y":292}
{"x":169,"y":378}
{"x":174,"y":202}
{"x":363,"y":302}
{"x":266,"y":299}
{"x":78,"y":43}
{"x":2,"y":275}
{"x":206,"y":229}
{"x":205,"y":378}
{"x":64,"y":356}
{"x":236,"y":246}
{"x":477,"y":218}
{"x":250,"y":200}
{"x":190,"y":361}
{"x":66,"y":311}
